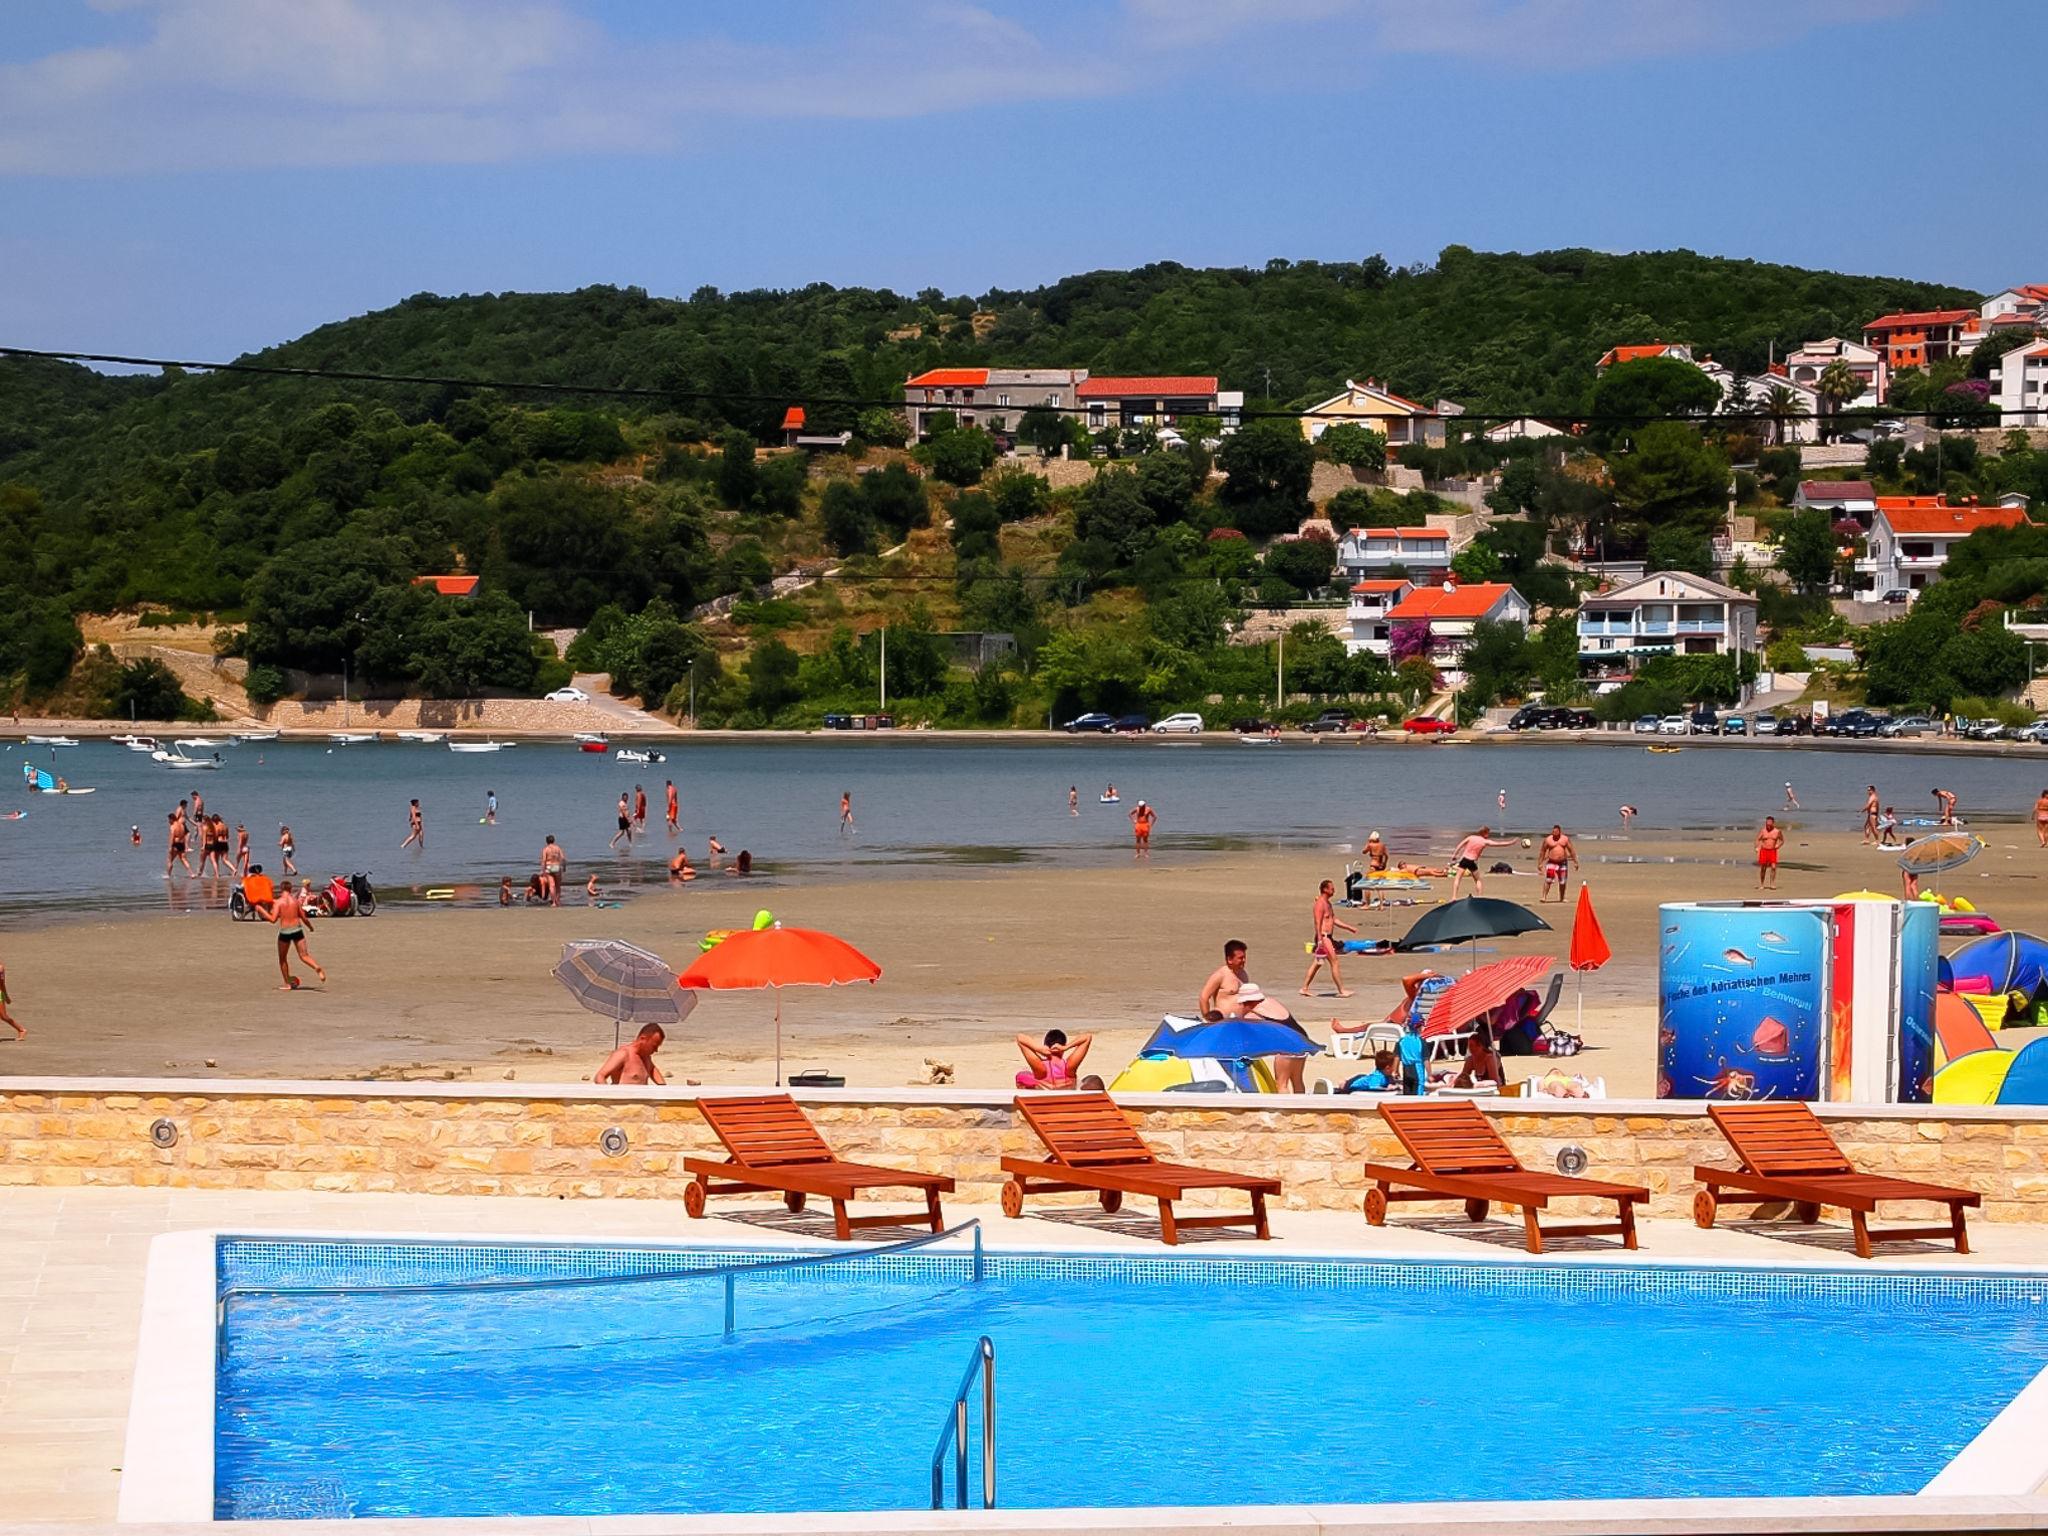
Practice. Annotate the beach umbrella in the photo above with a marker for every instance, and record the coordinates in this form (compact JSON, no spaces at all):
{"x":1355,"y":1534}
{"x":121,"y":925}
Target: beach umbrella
{"x":623,"y":982}
{"x":1479,"y":992}
{"x":1589,"y":950}
{"x":779,"y":957}
{"x":1939,"y":853}
{"x":1232,"y":1039}
{"x":1471,"y":918}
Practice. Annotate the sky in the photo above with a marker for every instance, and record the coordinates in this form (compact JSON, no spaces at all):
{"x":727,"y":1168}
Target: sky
{"x":199,"y":178}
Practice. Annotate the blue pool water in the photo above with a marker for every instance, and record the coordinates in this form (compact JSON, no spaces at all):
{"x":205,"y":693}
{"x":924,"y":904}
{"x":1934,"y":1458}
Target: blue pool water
{"x":1122,"y":1381}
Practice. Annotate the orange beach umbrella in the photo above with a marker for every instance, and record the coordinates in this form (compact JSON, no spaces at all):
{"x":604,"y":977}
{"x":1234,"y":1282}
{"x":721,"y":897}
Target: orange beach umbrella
{"x":779,"y":957}
{"x":1480,"y":992}
{"x":1589,"y":950}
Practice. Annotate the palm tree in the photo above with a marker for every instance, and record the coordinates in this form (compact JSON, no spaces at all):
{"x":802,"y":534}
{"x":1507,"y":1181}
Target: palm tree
{"x":1783,"y":405}
{"x":1837,"y":385}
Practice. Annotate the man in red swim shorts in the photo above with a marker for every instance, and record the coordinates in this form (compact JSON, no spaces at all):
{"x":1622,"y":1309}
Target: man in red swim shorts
{"x":1768,"y":842}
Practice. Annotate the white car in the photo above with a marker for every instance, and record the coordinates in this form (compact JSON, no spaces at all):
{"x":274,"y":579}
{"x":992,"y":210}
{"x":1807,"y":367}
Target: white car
{"x":1674,"y":725}
{"x":1186,"y":721}
{"x":568,"y":696}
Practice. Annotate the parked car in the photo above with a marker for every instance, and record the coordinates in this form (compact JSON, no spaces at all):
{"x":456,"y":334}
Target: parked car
{"x":1370,"y":724}
{"x":1704,"y":722}
{"x":1130,"y":723}
{"x":839,"y":722}
{"x":1766,"y":724}
{"x":1094,"y":720}
{"x":1530,"y":717}
{"x":1674,"y":725}
{"x":1735,"y":725}
{"x":1187,"y":721}
{"x":1580,"y":720}
{"x":2036,"y":733}
{"x":1896,"y":595}
{"x":1907,"y":725}
{"x":1425,"y":725}
{"x":1857,"y":724}
{"x":1983,"y":730}
{"x":568,"y":696}
{"x":1646,"y":725}
{"x":1329,"y":720}
{"x":1251,"y":726}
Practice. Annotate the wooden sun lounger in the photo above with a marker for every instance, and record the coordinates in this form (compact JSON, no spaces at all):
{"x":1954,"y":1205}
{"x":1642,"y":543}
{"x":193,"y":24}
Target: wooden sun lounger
{"x":1785,"y":1153}
{"x":1094,"y":1147}
{"x":775,"y":1147}
{"x":1458,"y":1155}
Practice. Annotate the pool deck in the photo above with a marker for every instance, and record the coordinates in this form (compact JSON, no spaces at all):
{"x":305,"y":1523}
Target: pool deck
{"x":72,"y":1264}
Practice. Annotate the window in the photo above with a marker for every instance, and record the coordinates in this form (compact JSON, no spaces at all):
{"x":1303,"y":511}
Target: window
{"x":1053,"y":401}
{"x":1002,"y":399}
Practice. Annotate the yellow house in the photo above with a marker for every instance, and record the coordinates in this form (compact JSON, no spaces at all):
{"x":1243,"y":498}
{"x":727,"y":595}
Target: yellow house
{"x":1400,"y":419}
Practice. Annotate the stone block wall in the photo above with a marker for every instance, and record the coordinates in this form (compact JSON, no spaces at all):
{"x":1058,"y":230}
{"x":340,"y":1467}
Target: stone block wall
{"x":518,"y":1140}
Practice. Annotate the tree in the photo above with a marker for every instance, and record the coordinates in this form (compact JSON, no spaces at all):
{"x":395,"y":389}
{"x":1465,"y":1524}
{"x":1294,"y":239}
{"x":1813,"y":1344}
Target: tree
{"x":1630,"y":396}
{"x":849,"y":526}
{"x":958,"y":456}
{"x":1806,"y":551}
{"x":779,"y":483}
{"x":1355,"y":446}
{"x":1304,"y":564}
{"x":881,"y":427}
{"x":1783,"y":405}
{"x":736,"y":476}
{"x":1673,"y":476}
{"x":1837,"y":385}
{"x":896,"y":499}
{"x":1113,"y":509}
{"x":149,"y":690}
{"x":1018,"y":494}
{"x":1046,"y":430}
{"x":306,"y":608}
{"x":1680,"y":547}
{"x":1269,"y":465}
{"x":1475,"y":562}
{"x":975,"y":527}
{"x":772,"y":677}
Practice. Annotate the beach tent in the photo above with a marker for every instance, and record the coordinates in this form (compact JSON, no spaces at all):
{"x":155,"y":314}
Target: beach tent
{"x":1957,"y":1029}
{"x":1184,"y":1052}
{"x":1158,"y":1073}
{"x":2014,"y":962}
{"x":2026,"y":1080}
{"x":1973,"y":1079}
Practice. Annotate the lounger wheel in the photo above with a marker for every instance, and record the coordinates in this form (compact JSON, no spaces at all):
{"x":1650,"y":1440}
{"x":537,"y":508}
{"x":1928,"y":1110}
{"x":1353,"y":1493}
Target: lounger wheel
{"x":1475,"y":1210}
{"x":794,"y":1199}
{"x":1013,"y":1198}
{"x":1704,"y":1205}
{"x":693,"y":1197}
{"x":1376,"y":1207}
{"x":1112,"y":1200}
{"x":1807,"y":1211}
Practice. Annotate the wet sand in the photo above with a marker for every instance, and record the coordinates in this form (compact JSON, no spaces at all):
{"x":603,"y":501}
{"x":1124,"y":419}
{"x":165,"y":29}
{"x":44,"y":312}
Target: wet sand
{"x":970,"y":959}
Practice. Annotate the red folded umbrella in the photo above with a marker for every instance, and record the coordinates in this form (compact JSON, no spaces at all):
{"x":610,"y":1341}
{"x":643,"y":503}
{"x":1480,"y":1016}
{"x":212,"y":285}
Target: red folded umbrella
{"x":1589,"y":945}
{"x":1480,"y":992}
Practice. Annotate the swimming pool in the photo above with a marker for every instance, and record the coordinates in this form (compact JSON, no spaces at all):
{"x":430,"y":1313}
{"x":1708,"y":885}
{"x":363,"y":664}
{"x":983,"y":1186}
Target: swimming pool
{"x":1123,"y":1380}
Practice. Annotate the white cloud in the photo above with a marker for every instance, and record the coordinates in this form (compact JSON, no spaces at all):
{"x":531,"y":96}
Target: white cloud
{"x":210,"y":84}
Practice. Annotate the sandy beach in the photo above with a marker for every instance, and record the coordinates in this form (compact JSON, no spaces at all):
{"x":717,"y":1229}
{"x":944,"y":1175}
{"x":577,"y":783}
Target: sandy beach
{"x":970,"y":958}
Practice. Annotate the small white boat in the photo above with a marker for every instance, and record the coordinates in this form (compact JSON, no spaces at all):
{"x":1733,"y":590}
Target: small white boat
{"x":634,"y":755}
{"x":252,"y":738}
{"x":352,"y":738}
{"x":51,"y":741}
{"x":1258,"y":741}
{"x":179,"y":760}
{"x":140,"y":743}
{"x":197,"y":743}
{"x":478,"y":746}
{"x":597,"y":736}
{"x":425,"y":738}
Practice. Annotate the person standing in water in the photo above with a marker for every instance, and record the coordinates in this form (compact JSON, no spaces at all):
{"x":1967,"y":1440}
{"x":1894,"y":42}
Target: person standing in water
{"x":1322,"y":948}
{"x":177,"y":854}
{"x":1073,"y":799}
{"x":241,"y":849}
{"x":674,"y":810}
{"x":2041,"y":817}
{"x":1142,"y":820}
{"x":1791,"y":800}
{"x":1945,"y":803}
{"x":490,"y":807}
{"x":1768,"y":842}
{"x":639,"y":806}
{"x":846,"y":810}
{"x":286,"y":848}
{"x":416,"y":829}
{"x":1628,"y":814}
{"x":625,"y":822}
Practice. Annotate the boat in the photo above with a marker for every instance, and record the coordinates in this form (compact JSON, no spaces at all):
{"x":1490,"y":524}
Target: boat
{"x":1258,"y":741}
{"x":140,"y":743}
{"x":180,"y":760}
{"x":1664,"y":749}
{"x":352,"y":738}
{"x":635,"y":755}
{"x":1112,"y":799}
{"x":252,"y":738}
{"x":197,"y":743}
{"x":596,"y":736}
{"x":424,"y":738}
{"x":478,"y":746}
{"x":594,"y":744}
{"x":51,"y":741}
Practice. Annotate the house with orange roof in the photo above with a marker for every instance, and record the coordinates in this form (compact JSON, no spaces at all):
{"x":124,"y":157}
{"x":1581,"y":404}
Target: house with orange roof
{"x":1423,"y":555}
{"x":1911,"y":537}
{"x":2023,"y":304}
{"x":1807,"y":363}
{"x":1451,"y":610}
{"x":1403,"y":422}
{"x":994,"y":399}
{"x":1677,"y":350}
{"x":450,"y":586}
{"x":1369,"y":604}
{"x":1112,"y":402}
{"x":2019,"y":386}
{"x":1921,"y":337}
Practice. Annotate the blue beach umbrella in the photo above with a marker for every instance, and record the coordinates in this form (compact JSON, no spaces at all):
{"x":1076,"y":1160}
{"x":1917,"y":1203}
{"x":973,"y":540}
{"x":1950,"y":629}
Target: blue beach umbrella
{"x":1231,"y":1040}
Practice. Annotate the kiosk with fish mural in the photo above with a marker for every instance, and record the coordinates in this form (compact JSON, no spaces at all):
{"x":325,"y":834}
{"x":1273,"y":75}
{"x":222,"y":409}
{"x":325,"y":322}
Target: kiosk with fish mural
{"x":1823,"y":1000}
{"x":1742,"y":1002}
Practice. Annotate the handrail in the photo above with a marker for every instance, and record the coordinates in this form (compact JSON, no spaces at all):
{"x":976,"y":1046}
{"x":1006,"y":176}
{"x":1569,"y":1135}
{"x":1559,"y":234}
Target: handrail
{"x":954,"y":1432}
{"x":730,"y":1272}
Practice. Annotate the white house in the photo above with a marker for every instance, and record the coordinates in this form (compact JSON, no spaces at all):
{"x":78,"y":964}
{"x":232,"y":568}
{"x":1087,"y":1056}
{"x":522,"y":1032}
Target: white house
{"x":1421,"y":554}
{"x":1371,"y":602}
{"x":2019,"y":386}
{"x":1451,"y":610}
{"x":2024,"y":303}
{"x":1840,"y":499}
{"x":1665,"y":613}
{"x":1804,"y":427}
{"x":1805,"y":366}
{"x":1403,"y":422}
{"x":1911,"y":537}
{"x":1522,"y":427}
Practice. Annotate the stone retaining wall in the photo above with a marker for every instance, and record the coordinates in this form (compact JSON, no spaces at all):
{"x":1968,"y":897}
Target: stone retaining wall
{"x":513,"y":1139}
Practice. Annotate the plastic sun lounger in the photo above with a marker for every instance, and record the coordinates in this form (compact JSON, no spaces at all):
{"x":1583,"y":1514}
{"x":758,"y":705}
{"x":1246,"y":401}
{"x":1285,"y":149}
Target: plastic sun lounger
{"x":1093,"y":1147}
{"x":1458,"y":1155}
{"x":775,"y":1147}
{"x":1786,"y":1153}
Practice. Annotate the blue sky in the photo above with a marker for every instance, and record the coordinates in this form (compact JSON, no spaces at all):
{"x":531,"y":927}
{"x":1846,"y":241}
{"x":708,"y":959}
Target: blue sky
{"x":202,"y":177}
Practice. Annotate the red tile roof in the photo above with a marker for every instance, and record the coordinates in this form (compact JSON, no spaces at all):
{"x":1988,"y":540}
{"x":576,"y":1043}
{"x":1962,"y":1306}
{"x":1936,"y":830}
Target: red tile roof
{"x":1932,"y":515}
{"x":2016,"y":317}
{"x":1913,"y":319}
{"x":1629,"y":354}
{"x":1837,"y":490}
{"x":1391,"y":585}
{"x":1469,"y":602}
{"x":793,"y":419}
{"x":1149,"y":386}
{"x":449,"y":586}
{"x":948,"y":378}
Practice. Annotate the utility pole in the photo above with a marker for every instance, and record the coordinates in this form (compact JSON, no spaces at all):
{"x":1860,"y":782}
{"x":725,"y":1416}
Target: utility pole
{"x":1280,"y":676}
{"x":885,"y":669}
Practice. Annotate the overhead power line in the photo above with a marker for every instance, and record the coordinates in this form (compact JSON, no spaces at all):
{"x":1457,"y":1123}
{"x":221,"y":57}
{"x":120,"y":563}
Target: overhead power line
{"x":670,"y":396}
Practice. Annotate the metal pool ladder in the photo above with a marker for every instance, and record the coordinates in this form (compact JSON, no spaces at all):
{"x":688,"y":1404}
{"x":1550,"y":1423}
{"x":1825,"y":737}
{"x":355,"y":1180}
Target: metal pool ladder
{"x":954,"y":1432}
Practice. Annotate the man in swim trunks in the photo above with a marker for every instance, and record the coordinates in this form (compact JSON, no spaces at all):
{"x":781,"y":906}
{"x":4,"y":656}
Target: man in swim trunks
{"x":639,"y":806}
{"x":416,"y":829}
{"x":633,"y":1063}
{"x":1323,"y":943}
{"x":1945,"y":802}
{"x":679,"y":867}
{"x":552,"y":862}
{"x":177,"y":854}
{"x":1559,"y":859}
{"x":1768,"y":842}
{"x":1230,"y":994}
{"x":1141,"y":827}
{"x":1055,"y":1063}
{"x":292,"y":912}
{"x":1870,"y":813}
{"x":673,"y":811}
{"x":625,"y":822}
{"x":1465,"y":860}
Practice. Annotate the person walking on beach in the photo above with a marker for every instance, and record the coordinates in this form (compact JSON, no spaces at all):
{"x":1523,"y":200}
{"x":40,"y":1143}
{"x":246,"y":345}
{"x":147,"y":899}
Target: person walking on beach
{"x":1559,"y":858}
{"x":1791,"y":800}
{"x":1141,"y":828}
{"x":177,"y":854}
{"x":1870,"y":815}
{"x":5,"y":1017}
{"x":286,"y":848}
{"x":1768,"y":842}
{"x":1465,"y":861}
{"x":639,"y":806}
{"x":625,"y":822}
{"x":292,"y":911}
{"x":633,"y":1063}
{"x":1945,"y":803}
{"x":673,"y":809}
{"x":1322,"y":949}
{"x":416,"y":829}
{"x":1073,"y":799}
{"x":1888,"y":829}
{"x":846,"y":810}
{"x":490,"y":807}
{"x":552,"y":862}
{"x":2041,"y":817}
{"x":241,"y":849}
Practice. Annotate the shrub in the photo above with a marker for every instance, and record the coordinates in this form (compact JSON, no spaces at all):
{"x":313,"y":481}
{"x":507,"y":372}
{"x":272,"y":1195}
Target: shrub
{"x":265,"y":684}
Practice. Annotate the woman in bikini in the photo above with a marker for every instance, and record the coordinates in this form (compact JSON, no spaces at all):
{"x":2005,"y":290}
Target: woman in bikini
{"x":1055,"y":1063}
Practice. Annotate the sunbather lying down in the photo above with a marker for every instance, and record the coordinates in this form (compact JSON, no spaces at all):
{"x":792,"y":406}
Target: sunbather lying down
{"x":1422,"y":871}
